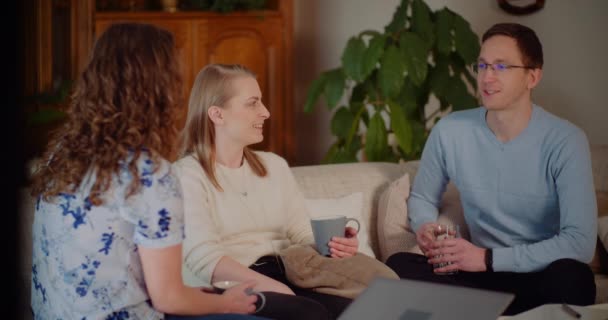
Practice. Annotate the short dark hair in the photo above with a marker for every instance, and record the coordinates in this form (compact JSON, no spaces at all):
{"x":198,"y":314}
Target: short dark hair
{"x":528,"y":43}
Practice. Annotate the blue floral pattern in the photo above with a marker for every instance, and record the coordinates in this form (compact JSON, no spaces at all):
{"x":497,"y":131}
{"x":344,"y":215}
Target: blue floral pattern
{"x":85,"y":262}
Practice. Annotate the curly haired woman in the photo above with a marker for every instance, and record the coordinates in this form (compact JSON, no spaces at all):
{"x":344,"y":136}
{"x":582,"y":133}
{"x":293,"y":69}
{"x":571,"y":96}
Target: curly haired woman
{"x":108,"y":226}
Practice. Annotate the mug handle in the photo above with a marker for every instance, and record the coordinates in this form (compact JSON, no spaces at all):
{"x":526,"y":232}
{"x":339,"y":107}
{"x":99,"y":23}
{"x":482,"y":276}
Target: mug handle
{"x":356,"y":221}
{"x":262,"y":303}
{"x":261,"y":299}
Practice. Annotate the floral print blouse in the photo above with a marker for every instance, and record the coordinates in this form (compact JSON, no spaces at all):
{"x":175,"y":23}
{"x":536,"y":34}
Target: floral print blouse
{"x":85,"y":263}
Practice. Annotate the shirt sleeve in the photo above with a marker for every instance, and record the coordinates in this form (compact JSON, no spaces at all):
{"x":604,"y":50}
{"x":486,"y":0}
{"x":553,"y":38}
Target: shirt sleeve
{"x":430,"y":182}
{"x":202,"y":249}
{"x":157,"y":209}
{"x":298,"y":229}
{"x":577,"y":208}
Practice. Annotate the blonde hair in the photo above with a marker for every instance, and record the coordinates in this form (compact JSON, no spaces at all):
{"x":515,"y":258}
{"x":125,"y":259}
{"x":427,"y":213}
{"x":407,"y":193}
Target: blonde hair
{"x":212,"y":87}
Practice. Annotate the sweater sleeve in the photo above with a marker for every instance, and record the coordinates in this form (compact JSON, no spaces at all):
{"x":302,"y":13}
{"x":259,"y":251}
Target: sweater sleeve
{"x":576,"y":239}
{"x":202,"y":249}
{"x":298,"y":229}
{"x":430,"y":182}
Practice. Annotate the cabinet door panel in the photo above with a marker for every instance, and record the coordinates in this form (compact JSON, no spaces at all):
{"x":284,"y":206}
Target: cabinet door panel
{"x":247,"y":48}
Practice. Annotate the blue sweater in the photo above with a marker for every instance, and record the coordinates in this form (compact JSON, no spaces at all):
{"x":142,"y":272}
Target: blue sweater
{"x":531,"y":199}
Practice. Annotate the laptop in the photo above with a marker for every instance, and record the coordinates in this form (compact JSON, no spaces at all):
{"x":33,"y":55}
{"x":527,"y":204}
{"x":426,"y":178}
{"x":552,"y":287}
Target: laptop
{"x":391,"y":299}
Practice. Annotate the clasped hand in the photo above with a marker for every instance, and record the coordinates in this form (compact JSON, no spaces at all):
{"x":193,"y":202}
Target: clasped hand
{"x":341,"y":247}
{"x":462,"y":254}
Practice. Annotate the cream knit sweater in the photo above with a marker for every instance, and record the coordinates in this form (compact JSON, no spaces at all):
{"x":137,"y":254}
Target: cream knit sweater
{"x":254,"y":216}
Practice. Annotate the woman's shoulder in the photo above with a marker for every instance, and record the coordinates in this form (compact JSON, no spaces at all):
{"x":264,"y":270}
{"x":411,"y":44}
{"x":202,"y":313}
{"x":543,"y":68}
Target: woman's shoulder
{"x":187,"y":165}
{"x":271,"y":159}
{"x":186,"y":161}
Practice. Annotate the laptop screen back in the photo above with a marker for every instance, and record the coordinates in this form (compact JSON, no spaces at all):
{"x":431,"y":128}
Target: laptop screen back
{"x":389,"y":299}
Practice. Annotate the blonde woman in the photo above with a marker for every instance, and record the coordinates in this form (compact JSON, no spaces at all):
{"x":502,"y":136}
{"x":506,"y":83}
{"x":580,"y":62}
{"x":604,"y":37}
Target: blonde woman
{"x":243,"y":206}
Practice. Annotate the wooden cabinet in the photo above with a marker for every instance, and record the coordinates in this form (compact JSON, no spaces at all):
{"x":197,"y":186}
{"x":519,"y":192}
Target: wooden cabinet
{"x":260,"y":40}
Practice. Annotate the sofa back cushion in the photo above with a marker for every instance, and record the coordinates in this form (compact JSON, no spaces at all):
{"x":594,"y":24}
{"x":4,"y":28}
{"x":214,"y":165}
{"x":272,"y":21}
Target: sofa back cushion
{"x":337,"y":180}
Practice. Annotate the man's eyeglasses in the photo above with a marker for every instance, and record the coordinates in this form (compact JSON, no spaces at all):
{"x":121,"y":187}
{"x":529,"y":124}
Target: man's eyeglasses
{"x":498,"y":67}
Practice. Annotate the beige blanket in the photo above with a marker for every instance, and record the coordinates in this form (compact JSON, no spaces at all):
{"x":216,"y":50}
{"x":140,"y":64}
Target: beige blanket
{"x":345,"y":277}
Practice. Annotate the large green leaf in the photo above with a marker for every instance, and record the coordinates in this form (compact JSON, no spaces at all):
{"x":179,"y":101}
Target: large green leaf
{"x":354,"y":145}
{"x":371,"y":33}
{"x":341,"y":153}
{"x":458,"y":96}
{"x":352,"y":59}
{"x":419,"y":139}
{"x":423,"y":92}
{"x":372,"y":54}
{"x":376,"y":138}
{"x":466,"y":41}
{"x":358,"y":109}
{"x":422,"y":23}
{"x":414,"y":54}
{"x":443,"y":27}
{"x":439,"y":80}
{"x":401,"y":127}
{"x":315,"y":90}
{"x":331,"y":153}
{"x":334,"y":87}
{"x":390,"y":76}
{"x":399,"y":18}
{"x":341,"y":122}
{"x":343,"y":156}
{"x":407,"y":99}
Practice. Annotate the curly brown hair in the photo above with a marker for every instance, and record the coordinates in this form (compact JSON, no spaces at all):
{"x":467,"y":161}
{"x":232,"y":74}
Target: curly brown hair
{"x":124,"y":103}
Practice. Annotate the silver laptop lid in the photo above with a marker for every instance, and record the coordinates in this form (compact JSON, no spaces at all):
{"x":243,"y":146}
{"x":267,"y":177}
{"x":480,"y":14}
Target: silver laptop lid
{"x":389,"y":299}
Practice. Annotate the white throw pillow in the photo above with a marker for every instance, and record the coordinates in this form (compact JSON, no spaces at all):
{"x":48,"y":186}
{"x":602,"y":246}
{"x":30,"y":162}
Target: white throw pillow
{"x":350,"y":206}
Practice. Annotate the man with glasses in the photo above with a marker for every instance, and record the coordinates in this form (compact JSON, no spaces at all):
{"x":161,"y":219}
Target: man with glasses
{"x":525,"y":182}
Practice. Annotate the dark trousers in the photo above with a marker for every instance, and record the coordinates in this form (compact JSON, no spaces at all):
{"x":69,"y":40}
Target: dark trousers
{"x":563,"y":281}
{"x":306,"y":304}
{"x":214,"y":317}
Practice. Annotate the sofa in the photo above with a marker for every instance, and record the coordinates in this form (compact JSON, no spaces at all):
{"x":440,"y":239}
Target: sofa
{"x":385,"y":187}
{"x":383,"y":190}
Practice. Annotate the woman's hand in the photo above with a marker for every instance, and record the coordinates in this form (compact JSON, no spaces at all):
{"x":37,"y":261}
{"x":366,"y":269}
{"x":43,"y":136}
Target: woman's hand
{"x":344,"y":247}
{"x":236,"y":299}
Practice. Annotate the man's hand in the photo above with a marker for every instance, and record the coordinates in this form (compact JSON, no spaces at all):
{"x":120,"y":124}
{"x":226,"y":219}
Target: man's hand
{"x":461,"y":253}
{"x":344,"y":247}
{"x":425,"y":236}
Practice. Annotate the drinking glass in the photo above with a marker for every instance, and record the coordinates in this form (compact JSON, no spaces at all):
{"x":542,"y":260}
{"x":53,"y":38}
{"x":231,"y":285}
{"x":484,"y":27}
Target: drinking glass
{"x":442,"y":232}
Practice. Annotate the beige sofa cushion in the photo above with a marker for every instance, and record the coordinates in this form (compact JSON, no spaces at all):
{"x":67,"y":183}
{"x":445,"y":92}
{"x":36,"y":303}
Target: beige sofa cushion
{"x":394,"y":233}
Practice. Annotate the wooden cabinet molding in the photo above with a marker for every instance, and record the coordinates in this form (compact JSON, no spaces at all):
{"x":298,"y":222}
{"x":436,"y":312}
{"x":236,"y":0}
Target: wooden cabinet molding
{"x":262,"y":41}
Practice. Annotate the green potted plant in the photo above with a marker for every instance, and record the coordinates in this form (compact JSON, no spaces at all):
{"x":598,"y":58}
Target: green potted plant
{"x":44,"y":112}
{"x":387,"y":79}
